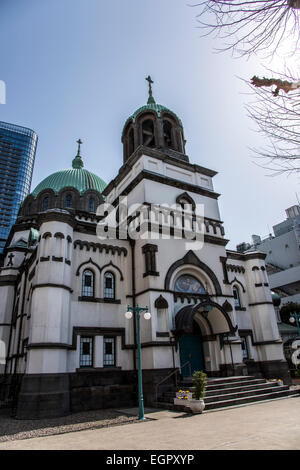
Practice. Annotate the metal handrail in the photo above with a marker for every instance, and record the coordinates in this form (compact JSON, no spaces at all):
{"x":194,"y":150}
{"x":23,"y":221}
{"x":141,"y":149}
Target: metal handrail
{"x":170,"y":375}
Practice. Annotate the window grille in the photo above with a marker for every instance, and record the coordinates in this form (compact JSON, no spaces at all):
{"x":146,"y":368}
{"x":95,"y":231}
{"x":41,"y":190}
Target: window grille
{"x":109,"y":285}
{"x":109,"y":358}
{"x":87,"y":284}
{"x":86,"y":352}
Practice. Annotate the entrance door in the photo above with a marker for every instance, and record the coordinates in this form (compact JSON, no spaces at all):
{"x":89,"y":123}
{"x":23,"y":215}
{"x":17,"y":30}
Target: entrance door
{"x":190,"y":349}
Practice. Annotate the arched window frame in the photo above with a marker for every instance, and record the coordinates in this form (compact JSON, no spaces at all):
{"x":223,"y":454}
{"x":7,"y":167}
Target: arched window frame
{"x":45,"y":203}
{"x":92,"y":204}
{"x":143,"y":123}
{"x":88,"y":290}
{"x":68,"y":201}
{"x":109,"y":288}
{"x":168,"y":129}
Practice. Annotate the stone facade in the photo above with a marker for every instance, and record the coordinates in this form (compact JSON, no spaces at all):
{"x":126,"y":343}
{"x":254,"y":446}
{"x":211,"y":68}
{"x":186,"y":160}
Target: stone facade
{"x":64,"y":295}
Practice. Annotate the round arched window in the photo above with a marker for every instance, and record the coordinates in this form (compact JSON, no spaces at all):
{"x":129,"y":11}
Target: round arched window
{"x":46,"y":203}
{"x":68,"y":201}
{"x":189,"y":284}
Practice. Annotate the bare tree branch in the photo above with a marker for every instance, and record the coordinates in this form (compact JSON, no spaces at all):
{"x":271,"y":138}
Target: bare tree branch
{"x":284,"y":85}
{"x":277,"y":118}
{"x":252,"y":26}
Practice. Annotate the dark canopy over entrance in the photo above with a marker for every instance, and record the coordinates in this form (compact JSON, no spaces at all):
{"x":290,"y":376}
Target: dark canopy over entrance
{"x":215,"y":315}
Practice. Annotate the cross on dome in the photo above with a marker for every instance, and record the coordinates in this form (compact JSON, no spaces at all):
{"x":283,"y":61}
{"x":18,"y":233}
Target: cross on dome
{"x":150,"y":81}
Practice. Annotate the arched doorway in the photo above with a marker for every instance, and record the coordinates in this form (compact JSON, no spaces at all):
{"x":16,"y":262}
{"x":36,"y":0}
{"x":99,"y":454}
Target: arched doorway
{"x":191,"y":321}
{"x":191,"y":351}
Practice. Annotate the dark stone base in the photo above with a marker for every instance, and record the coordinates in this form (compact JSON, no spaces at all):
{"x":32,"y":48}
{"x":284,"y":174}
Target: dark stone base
{"x":229,"y":370}
{"x":53,"y":395}
{"x":104,"y":388}
{"x":151,"y":379}
{"x":276,"y":370}
{"x":43,"y":396}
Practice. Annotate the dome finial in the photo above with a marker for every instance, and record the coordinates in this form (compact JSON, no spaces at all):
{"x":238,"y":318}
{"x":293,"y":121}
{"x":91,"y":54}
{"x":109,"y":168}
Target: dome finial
{"x":77,"y":163}
{"x":150,"y":99}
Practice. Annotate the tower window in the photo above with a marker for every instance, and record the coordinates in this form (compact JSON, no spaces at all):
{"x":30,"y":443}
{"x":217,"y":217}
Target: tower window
{"x":168,"y":134}
{"x":130,"y":142}
{"x":148,"y":133}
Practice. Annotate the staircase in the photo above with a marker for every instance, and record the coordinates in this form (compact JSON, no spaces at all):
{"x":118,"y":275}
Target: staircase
{"x":229,"y":391}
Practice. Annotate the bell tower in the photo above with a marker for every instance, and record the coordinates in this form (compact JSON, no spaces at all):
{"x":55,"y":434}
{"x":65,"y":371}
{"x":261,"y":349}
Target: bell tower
{"x":154,"y":126}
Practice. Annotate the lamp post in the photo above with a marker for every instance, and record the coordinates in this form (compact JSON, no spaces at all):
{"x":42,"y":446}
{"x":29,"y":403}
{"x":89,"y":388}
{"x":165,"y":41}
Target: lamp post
{"x":295,"y":317}
{"x":147,"y":315}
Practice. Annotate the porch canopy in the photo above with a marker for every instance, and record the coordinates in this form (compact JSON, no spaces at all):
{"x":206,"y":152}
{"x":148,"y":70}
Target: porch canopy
{"x":213,"y":315}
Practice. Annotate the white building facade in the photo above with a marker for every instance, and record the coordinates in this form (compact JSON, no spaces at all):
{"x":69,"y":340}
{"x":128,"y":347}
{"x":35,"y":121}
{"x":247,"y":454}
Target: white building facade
{"x":65,"y":289}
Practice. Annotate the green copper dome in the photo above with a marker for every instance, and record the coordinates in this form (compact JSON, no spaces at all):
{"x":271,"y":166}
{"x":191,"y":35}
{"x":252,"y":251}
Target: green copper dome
{"x":75,"y":177}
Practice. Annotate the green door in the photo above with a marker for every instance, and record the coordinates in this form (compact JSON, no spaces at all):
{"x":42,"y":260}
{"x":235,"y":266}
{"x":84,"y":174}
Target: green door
{"x":190,"y":349}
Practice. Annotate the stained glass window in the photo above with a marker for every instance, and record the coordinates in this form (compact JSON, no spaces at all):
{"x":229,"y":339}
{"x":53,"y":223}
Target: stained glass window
{"x":109,"y":352}
{"x":86,"y":352}
{"x":109,"y":285}
{"x":87,"y":283}
{"x":189,"y":284}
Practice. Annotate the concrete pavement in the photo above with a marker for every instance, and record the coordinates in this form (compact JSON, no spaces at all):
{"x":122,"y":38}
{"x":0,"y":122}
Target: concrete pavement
{"x":264,"y":426}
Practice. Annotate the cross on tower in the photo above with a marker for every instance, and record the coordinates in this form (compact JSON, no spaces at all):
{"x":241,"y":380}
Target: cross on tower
{"x":150,"y":81}
{"x":79,"y":142}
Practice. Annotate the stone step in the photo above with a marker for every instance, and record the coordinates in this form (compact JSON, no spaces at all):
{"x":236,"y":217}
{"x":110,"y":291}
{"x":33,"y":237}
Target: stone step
{"x":219,"y":405}
{"x":220,"y":380}
{"x":215,"y":385}
{"x":246,"y":394}
{"x":223,"y":391}
{"x":247,"y":400}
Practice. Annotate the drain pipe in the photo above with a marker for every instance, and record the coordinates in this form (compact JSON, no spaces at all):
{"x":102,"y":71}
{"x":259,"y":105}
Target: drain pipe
{"x":132,"y":244}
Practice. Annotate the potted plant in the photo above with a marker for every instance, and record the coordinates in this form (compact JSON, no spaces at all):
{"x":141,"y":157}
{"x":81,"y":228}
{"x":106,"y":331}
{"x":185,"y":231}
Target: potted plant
{"x":182,"y":396}
{"x":197,"y":404}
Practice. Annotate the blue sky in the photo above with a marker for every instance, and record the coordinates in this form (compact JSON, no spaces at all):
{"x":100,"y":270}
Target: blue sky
{"x":77,"y":68}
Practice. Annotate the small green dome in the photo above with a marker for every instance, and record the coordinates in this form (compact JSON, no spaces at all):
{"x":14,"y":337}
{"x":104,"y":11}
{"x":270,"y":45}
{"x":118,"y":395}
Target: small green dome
{"x":75,"y":177}
{"x":150,"y":106}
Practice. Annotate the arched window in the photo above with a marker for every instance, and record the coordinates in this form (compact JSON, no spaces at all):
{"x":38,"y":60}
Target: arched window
{"x":236,"y":296}
{"x":87,"y":283}
{"x":68,"y":201}
{"x":168,"y":134}
{"x":45,"y":203}
{"x":162,"y":314}
{"x":91,"y":204}
{"x":130,"y":142}
{"x":189,"y":284}
{"x":109,"y":285}
{"x":148,"y":133}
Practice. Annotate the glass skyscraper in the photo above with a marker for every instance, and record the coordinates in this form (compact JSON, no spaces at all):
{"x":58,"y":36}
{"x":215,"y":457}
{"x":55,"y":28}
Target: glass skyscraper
{"x":17,"y":153}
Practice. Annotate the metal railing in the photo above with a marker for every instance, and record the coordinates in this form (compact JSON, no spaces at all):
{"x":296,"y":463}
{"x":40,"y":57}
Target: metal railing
{"x":170,"y":375}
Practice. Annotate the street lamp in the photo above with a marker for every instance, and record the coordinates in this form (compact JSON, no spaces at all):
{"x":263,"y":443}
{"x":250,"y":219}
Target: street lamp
{"x":295,"y":317}
{"x":147,"y":315}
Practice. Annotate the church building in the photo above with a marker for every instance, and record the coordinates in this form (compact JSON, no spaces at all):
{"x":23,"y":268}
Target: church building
{"x":65,"y":289}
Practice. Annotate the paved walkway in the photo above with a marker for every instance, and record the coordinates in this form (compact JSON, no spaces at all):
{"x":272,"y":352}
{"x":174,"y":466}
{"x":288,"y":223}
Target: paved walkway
{"x":270,"y":425}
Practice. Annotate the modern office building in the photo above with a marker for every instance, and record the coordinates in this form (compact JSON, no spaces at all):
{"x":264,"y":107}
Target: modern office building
{"x":17,"y":153}
{"x":283,"y":255}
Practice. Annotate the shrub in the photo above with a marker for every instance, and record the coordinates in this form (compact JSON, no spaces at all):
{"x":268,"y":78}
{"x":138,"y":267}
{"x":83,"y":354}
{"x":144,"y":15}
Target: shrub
{"x":199,"y":382}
